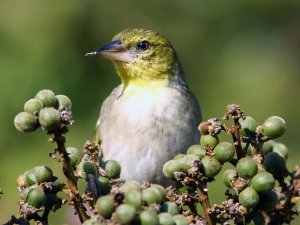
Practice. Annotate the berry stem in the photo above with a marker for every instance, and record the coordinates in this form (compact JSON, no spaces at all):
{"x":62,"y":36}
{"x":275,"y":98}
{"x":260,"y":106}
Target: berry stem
{"x":69,"y":173}
{"x":235,"y":132}
{"x":204,"y":200}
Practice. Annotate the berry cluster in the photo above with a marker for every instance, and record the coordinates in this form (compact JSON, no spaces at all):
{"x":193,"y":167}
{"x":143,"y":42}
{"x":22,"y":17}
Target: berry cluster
{"x":133,"y":203}
{"x":45,"y":110}
{"x":38,"y":190}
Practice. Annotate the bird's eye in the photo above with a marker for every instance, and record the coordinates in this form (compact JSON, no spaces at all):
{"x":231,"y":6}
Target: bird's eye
{"x":143,"y":45}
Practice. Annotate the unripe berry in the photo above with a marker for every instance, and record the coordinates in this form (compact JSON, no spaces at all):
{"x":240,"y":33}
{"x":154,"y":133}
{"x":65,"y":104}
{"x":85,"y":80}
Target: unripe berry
{"x":165,"y":219}
{"x":273,"y":127}
{"x":248,"y":126}
{"x":33,"y":106}
{"x":186,"y":162}
{"x":211,"y":166}
{"x":180,"y":220}
{"x":169,"y":207}
{"x":43,"y":174}
{"x":26,"y":122}
{"x":228,"y":176}
{"x":64,"y":101}
{"x":47,"y":97}
{"x":224,"y":152}
{"x":268,"y":147}
{"x":281,"y":149}
{"x":129,"y":185}
{"x":148,"y":217}
{"x":105,"y":206}
{"x":171,"y":167}
{"x":134,"y":198}
{"x":103,"y":184}
{"x":246,"y":167}
{"x":112,"y":169}
{"x":49,"y":118}
{"x":161,"y":191}
{"x":196,"y":150}
{"x":125,"y":214}
{"x":151,"y":196}
{"x":36,"y":197}
{"x":249,"y":198}
{"x":209,"y":141}
{"x":263,"y":182}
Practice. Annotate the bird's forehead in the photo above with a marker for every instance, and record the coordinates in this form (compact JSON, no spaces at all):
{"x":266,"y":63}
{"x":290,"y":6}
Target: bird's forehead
{"x":132,"y":36}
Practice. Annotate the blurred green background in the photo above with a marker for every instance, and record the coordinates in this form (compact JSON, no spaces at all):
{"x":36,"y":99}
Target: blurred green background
{"x":245,"y":52}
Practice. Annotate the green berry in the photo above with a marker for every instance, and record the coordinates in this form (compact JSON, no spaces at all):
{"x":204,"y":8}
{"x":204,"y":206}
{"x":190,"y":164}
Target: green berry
{"x":85,"y":168}
{"x":26,"y":122}
{"x":43,"y":174}
{"x":249,"y":198}
{"x":179,"y":156}
{"x":275,"y":164}
{"x":170,"y":208}
{"x":246,"y":167}
{"x":171,"y":167}
{"x":268,"y":201}
{"x":64,"y":101}
{"x":186,"y":162}
{"x":151,"y":196}
{"x":33,"y":106}
{"x":25,"y":192}
{"x":281,"y":149}
{"x":105,"y":206}
{"x":103,"y":183}
{"x":263,"y":182}
{"x":196,"y":150}
{"x":161,"y":191}
{"x":125,"y":214}
{"x":112,"y":169}
{"x":209,"y":141}
{"x":49,"y":118}
{"x":248,"y":126}
{"x":211,"y":166}
{"x":273,"y":127}
{"x":30,"y":177}
{"x":75,"y":155}
{"x":47,"y":97}
{"x":224,"y":152}
{"x":36,"y":197}
{"x":166,"y":219}
{"x":148,"y":217}
{"x":180,"y":220}
{"x":134,"y":198}
{"x":251,"y":151}
{"x":267,"y":147}
{"x":129,"y":185}
{"x":228,"y":176}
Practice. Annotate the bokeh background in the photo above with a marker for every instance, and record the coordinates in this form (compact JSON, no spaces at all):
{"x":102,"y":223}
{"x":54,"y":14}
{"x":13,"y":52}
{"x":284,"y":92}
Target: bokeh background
{"x":245,"y":52}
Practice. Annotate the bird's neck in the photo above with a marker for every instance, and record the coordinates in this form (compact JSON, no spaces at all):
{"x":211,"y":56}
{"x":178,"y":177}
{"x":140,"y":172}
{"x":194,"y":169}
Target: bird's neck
{"x":143,"y":77}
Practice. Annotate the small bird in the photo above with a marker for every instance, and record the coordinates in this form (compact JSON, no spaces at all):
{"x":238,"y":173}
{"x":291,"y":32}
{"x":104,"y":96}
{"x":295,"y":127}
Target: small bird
{"x":151,"y":116}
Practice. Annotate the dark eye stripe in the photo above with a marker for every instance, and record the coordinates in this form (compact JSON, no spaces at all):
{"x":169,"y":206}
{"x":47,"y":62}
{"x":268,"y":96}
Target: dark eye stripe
{"x":143,"y":45}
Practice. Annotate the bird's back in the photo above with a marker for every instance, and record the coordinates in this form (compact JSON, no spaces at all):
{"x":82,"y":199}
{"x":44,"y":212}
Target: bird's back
{"x":144,"y":126}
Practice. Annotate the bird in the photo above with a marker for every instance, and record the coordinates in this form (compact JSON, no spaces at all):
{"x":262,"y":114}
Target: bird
{"x":152,"y":115}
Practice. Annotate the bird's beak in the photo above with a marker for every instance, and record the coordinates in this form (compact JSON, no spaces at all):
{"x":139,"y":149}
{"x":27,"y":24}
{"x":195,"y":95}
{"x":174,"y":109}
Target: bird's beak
{"x":114,"y":51}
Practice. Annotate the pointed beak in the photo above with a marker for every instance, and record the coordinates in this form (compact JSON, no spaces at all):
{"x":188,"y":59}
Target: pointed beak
{"x":114,"y":51}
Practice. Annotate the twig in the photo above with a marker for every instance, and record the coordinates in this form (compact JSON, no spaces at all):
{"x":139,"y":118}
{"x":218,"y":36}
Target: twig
{"x":204,"y":200}
{"x":69,"y":173}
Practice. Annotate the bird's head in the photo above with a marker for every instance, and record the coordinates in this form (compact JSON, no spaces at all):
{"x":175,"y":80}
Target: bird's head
{"x":141,"y":54}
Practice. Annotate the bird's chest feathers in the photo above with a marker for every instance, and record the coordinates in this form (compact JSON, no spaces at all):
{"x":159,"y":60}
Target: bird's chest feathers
{"x":138,"y":103}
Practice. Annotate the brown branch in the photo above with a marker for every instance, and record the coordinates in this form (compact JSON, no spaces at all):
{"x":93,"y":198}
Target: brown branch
{"x":69,"y":173}
{"x":204,"y":200}
{"x":235,"y":132}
